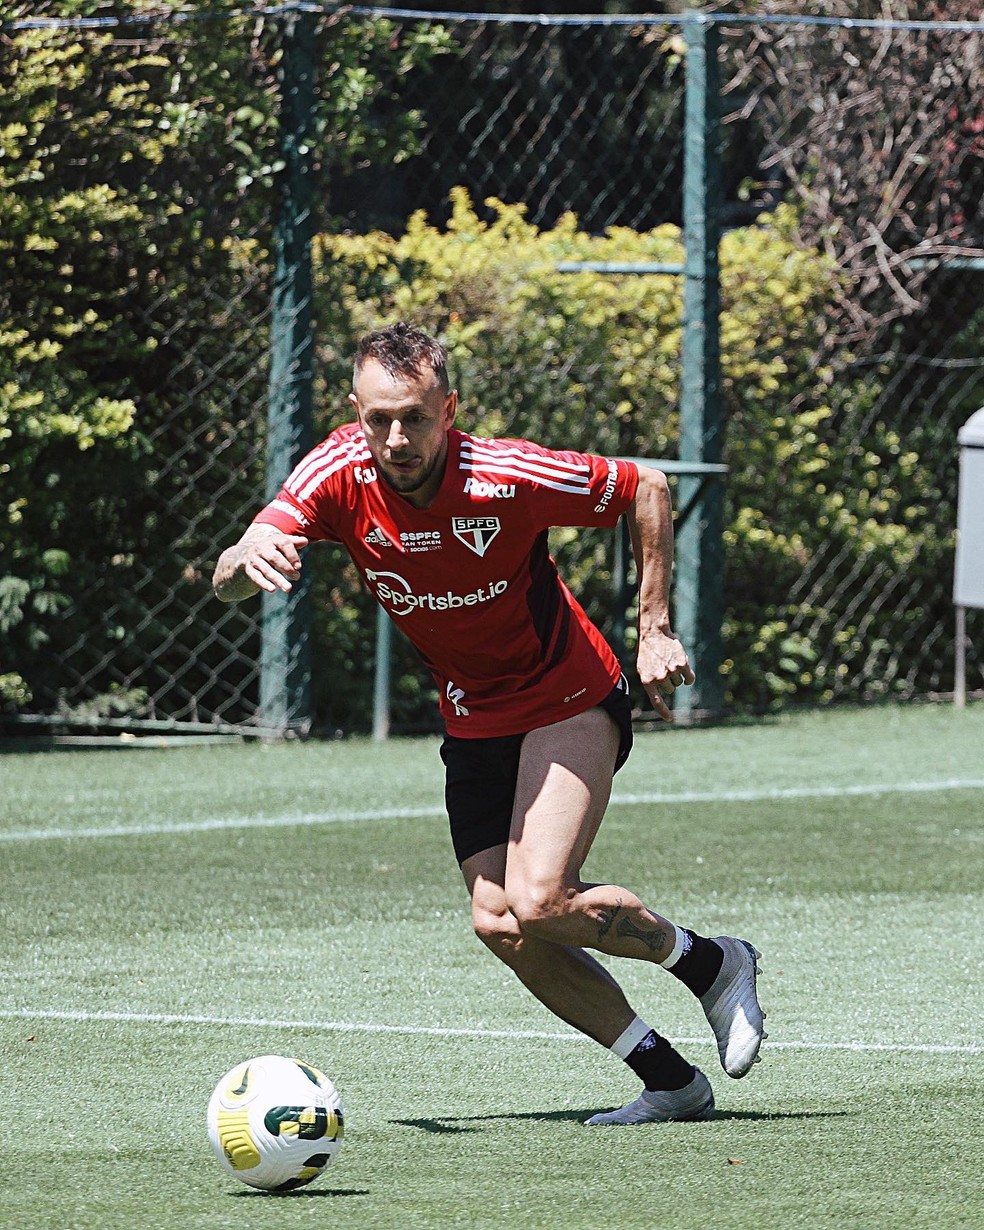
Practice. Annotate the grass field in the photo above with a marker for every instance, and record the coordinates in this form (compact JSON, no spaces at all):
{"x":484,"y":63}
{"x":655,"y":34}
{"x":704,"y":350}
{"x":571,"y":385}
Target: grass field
{"x":168,"y":913}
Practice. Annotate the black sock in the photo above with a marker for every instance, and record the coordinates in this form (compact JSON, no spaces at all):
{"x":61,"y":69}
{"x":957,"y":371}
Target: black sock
{"x":658,"y":1065}
{"x":698,"y":968}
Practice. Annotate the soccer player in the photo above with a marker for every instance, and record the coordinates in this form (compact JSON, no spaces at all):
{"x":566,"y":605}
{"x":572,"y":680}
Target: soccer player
{"x":449,"y":532}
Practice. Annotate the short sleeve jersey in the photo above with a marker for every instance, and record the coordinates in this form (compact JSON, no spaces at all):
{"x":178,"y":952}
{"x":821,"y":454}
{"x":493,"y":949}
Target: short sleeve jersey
{"x":470,"y":579}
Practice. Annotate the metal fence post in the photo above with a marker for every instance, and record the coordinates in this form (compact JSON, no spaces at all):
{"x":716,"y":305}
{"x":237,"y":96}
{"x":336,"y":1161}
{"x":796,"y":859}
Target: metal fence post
{"x":699,"y":555}
{"x":382,"y":678}
{"x":285,"y":654}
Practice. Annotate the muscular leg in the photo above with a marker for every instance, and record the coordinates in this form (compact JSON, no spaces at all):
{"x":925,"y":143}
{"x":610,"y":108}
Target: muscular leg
{"x":565,"y":778}
{"x":576,"y":988}
{"x":571,"y":983}
{"x":532,"y":908}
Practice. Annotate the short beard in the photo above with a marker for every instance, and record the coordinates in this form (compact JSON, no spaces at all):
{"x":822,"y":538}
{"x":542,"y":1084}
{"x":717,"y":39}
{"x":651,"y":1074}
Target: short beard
{"x":419,"y":480}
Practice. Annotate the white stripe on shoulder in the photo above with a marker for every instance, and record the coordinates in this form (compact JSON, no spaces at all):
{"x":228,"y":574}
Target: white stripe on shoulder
{"x":320,"y":465}
{"x":481,"y":451}
{"x":534,"y":467}
{"x":540,"y":480}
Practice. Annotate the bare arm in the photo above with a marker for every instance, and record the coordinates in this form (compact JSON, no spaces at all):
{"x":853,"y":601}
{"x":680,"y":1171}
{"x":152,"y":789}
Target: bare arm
{"x":662,"y":661}
{"x":264,"y":558}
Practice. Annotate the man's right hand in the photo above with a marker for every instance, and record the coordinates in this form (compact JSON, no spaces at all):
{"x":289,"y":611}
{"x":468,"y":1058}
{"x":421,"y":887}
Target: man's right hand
{"x":265,"y":558}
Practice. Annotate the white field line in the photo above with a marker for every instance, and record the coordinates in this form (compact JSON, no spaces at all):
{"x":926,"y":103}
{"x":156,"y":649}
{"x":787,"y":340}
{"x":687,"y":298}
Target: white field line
{"x":352,"y":1027}
{"x":297,"y":819}
{"x":287,"y":820}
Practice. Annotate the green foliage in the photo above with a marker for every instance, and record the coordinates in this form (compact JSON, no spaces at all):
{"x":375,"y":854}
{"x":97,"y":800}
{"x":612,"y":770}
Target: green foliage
{"x":117,"y":702}
{"x":583,"y":358}
{"x":14,"y":692}
{"x":138,"y":183}
{"x":591,"y":361}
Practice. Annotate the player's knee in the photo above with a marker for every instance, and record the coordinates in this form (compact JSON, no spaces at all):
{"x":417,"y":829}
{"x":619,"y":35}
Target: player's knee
{"x":536,"y":906}
{"x":499,"y":932}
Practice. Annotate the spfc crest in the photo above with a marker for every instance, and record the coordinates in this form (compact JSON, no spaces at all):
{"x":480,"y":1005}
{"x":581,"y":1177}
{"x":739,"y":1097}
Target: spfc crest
{"x":476,"y":532}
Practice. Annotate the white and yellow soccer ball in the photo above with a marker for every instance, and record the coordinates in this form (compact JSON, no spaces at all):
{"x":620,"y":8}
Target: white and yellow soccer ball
{"x":275,"y":1123}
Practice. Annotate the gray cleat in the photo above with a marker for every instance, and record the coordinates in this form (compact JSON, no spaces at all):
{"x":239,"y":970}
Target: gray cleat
{"x":732,"y":1008}
{"x":693,"y":1102}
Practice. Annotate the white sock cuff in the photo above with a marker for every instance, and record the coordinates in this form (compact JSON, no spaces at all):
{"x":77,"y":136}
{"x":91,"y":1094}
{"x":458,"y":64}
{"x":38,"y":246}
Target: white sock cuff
{"x":681,"y":945}
{"x":630,"y":1037}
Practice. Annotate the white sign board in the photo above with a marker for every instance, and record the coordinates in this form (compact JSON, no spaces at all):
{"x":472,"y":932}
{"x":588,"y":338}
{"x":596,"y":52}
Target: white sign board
{"x":968,"y":577}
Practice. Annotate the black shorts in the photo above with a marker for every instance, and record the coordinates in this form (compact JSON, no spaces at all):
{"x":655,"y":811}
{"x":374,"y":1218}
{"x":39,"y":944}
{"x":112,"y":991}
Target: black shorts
{"x":480,"y":779}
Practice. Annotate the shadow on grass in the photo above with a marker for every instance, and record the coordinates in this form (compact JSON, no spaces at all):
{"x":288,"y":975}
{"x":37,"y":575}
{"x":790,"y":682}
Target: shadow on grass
{"x":450,"y":1125}
{"x":302,"y":1193}
{"x":471,"y":1123}
{"x":778,"y":1116}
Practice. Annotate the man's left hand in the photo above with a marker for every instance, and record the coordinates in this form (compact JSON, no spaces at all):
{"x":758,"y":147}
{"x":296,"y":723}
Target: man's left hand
{"x":663,"y":667}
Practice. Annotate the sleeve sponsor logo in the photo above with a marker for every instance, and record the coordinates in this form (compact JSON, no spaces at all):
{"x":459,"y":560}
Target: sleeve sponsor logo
{"x":610,"y":483}
{"x":476,"y":532}
{"x":394,"y":593}
{"x":292,"y":512}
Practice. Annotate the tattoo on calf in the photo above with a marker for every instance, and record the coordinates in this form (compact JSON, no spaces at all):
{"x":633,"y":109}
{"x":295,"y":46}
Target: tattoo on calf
{"x":608,"y":917}
{"x":654,"y":940}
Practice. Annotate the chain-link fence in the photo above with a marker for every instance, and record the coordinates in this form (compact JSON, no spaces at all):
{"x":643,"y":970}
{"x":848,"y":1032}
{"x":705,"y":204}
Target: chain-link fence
{"x":145,"y":164}
{"x":876,"y":133}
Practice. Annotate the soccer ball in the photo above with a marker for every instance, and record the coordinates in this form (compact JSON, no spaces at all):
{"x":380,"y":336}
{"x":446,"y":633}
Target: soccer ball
{"x":275,"y":1123}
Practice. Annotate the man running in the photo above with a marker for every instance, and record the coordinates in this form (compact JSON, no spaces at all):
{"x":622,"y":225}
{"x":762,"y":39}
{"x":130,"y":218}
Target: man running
{"x":449,"y":532}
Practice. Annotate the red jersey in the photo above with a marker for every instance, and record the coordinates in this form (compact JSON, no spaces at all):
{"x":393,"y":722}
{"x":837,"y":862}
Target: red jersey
{"x":470,"y":579}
